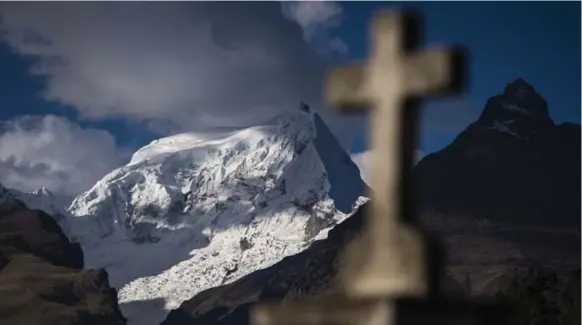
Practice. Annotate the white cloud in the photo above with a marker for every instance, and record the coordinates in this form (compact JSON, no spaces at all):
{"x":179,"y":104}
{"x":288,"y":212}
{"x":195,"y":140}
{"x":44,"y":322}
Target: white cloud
{"x":55,"y":153}
{"x":189,"y":65}
{"x":364,"y":162}
{"x":316,"y":18}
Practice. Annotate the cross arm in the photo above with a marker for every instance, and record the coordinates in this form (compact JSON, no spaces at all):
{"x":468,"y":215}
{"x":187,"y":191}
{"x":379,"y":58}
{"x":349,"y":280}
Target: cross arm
{"x":435,"y":72}
{"x":345,"y":88}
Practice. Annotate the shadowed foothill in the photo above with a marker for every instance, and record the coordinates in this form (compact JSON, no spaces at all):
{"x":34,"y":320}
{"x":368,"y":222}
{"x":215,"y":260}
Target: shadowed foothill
{"x":42,"y":281}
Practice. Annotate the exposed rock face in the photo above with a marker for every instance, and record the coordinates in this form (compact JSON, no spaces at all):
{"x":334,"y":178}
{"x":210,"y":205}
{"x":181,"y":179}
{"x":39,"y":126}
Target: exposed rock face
{"x":512,"y":165}
{"x":41,"y":277}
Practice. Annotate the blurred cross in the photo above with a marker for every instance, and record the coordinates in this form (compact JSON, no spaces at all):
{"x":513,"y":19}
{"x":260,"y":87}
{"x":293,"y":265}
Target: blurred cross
{"x":387,"y":279}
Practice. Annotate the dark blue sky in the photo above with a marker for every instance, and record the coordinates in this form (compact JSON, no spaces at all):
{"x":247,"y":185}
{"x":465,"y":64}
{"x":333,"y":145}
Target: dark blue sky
{"x":539,"y":41}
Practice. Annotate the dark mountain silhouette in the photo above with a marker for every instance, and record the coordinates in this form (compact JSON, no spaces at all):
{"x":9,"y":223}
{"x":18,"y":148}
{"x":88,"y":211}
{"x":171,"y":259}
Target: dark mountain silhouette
{"x":512,"y":165}
{"x":42,"y":280}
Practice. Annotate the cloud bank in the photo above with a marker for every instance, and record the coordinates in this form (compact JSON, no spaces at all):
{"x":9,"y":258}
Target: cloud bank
{"x":51,"y":151}
{"x":168,"y":66}
{"x":199,"y":65}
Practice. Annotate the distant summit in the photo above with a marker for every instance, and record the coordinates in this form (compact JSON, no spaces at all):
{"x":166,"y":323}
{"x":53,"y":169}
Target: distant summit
{"x":40,"y":199}
{"x":513,"y":164}
{"x":519,"y":111}
{"x":43,"y":191}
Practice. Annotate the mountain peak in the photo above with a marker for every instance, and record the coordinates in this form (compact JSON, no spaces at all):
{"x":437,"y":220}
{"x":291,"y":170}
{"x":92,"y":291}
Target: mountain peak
{"x":520,"y":111}
{"x":214,"y":206}
{"x":42,"y":191}
{"x":519,"y":87}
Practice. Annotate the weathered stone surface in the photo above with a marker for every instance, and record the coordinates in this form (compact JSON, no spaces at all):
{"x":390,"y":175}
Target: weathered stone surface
{"x":41,"y":277}
{"x":391,"y":261}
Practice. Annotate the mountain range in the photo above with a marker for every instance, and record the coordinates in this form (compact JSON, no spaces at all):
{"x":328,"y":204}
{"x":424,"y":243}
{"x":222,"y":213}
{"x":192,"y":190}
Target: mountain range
{"x":214,"y":222}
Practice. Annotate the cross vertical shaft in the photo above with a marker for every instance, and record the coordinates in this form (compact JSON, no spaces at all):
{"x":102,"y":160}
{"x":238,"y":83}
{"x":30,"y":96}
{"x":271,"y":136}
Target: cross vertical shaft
{"x":395,"y":263}
{"x":383,"y":91}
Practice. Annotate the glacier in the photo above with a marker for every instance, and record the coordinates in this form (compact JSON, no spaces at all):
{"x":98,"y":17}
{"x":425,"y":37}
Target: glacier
{"x":198,"y":210}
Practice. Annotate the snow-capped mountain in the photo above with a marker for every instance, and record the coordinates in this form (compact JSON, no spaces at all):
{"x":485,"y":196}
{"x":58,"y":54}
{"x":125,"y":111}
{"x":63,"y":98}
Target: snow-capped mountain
{"x":194,"y":211}
{"x":41,"y":199}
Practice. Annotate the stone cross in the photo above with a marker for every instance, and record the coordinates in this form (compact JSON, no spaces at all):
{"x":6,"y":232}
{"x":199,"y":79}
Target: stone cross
{"x":391,"y":265}
{"x":394,"y":263}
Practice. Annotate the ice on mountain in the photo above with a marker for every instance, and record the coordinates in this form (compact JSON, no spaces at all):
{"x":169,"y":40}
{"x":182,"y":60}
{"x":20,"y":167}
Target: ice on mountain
{"x":503,"y":127}
{"x":515,"y":108}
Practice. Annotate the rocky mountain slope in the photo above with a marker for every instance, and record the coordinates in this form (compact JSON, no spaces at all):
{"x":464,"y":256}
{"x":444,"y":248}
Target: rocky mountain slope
{"x":195,"y":211}
{"x":480,"y":259}
{"x":512,"y":165}
{"x":311,"y":273}
{"x":41,"y":277}
{"x":489,"y":232}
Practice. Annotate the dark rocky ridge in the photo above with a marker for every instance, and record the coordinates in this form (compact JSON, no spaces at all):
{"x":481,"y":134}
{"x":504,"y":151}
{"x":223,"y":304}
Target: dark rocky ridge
{"x":41,"y":277}
{"x":512,"y":165}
